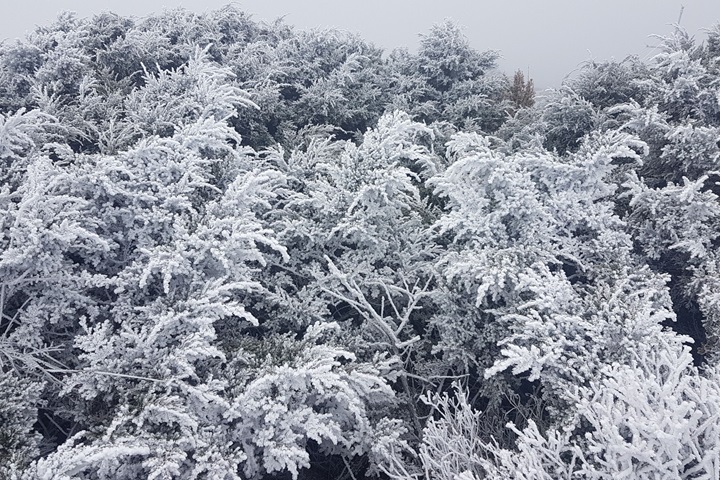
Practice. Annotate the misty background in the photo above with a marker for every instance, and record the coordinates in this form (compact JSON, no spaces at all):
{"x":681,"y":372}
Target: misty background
{"x":549,"y":39}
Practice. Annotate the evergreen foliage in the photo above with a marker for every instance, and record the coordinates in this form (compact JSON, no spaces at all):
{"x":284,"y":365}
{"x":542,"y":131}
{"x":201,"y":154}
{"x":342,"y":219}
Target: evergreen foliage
{"x":235,"y":250}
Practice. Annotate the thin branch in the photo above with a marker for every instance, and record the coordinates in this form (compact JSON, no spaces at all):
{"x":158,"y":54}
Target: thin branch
{"x":347,"y":466}
{"x":110,"y":374}
{"x":13,"y":320}
{"x":52,"y":420}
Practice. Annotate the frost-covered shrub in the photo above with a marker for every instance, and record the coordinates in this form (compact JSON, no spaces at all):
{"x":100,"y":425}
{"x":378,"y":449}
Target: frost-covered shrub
{"x":534,"y":238}
{"x":313,"y":402}
{"x":20,"y":399}
{"x":230,"y":249}
{"x":677,"y":218}
{"x":318,"y":400}
{"x":610,"y":83}
{"x":566,"y":118}
{"x":653,"y":417}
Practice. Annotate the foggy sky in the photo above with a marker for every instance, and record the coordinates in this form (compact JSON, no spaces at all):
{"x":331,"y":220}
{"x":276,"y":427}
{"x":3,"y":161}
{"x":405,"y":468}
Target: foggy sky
{"x":548,"y":38}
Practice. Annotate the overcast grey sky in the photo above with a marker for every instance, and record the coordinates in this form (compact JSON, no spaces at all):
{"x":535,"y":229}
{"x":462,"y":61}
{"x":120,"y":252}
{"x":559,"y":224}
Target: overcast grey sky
{"x":551,"y":38}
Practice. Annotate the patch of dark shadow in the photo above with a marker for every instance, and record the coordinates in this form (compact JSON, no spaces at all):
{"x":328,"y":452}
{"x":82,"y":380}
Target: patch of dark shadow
{"x":272,"y":126}
{"x":290,"y":93}
{"x":280,"y":476}
{"x":525,"y":402}
{"x":78,"y":145}
{"x":77,"y":259}
{"x":689,"y":319}
{"x":654,"y":181}
{"x":574,"y":274}
{"x":258,"y":332}
{"x":585,"y":232}
{"x":324,"y":466}
{"x":518,"y":401}
{"x":690,"y":322}
{"x":421,"y":318}
{"x":11,"y":310}
{"x":528,"y":389}
{"x":343,"y":311}
{"x":54,"y":429}
{"x":621,"y":207}
{"x":54,"y":157}
{"x":712,"y":184}
{"x":572,"y":271}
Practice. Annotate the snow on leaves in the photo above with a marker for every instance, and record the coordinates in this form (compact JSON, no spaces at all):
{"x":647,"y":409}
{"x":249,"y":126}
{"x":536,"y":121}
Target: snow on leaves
{"x":226,"y":253}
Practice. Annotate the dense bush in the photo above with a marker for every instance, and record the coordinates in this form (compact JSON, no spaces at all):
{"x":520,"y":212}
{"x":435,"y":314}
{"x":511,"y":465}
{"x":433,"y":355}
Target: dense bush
{"x":230,"y":249}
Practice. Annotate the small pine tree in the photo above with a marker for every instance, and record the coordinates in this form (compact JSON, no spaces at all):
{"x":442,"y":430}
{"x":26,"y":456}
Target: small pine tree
{"x":522,"y":93}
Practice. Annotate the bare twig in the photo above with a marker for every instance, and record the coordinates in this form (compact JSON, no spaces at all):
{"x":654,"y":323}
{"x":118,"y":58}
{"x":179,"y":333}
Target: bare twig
{"x":390,"y":327}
